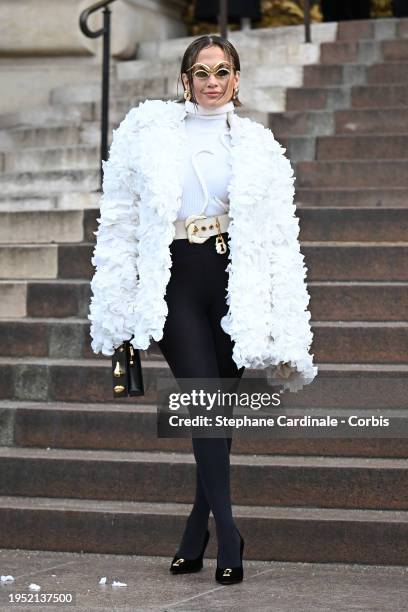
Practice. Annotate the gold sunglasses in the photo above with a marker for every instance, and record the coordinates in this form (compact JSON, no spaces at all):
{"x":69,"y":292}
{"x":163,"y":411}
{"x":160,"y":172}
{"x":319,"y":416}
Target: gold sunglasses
{"x":202,"y":71}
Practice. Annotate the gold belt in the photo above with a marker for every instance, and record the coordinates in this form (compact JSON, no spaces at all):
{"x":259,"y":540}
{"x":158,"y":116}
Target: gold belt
{"x":198,"y":228}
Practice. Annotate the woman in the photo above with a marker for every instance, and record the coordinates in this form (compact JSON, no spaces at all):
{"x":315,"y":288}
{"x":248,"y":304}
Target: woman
{"x":188,"y":187}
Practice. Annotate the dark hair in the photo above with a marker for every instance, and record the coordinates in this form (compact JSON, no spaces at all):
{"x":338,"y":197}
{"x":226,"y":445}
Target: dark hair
{"x":192,"y":52}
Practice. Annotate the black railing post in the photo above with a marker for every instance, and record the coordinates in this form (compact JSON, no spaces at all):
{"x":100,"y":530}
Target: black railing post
{"x":306,"y":12}
{"x":105,"y":32}
{"x":105,"y":89}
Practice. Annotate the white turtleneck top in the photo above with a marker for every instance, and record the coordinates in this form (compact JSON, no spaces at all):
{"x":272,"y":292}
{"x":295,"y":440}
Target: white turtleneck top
{"x":207,"y":168}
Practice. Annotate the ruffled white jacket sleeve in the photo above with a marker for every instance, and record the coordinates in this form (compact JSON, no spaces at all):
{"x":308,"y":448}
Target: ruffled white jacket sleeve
{"x":290,"y":329}
{"x":115,"y":281}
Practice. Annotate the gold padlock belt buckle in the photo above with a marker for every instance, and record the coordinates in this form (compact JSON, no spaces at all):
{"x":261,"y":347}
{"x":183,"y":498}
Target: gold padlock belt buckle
{"x":195,"y":224}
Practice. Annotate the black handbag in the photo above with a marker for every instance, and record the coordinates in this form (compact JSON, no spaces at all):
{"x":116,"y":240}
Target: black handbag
{"x":127,"y":371}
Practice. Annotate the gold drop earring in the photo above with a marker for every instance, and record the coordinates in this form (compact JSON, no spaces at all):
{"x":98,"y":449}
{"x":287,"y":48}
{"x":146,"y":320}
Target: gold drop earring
{"x":187,"y":94}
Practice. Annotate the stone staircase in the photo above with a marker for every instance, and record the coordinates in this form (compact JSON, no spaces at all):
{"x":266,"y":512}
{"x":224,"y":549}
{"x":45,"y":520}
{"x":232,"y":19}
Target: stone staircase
{"x":80,"y":472}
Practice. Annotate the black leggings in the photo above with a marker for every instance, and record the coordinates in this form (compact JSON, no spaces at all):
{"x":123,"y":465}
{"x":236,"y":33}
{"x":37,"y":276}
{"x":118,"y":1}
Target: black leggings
{"x":193,"y":343}
{"x":195,"y":346}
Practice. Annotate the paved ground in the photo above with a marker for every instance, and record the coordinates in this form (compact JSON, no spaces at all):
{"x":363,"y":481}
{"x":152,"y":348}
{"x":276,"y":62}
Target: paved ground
{"x":267,"y":586}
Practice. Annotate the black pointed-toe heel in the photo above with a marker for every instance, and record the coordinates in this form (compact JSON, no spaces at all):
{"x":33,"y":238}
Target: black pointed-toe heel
{"x":179,"y":565}
{"x":231,"y":575}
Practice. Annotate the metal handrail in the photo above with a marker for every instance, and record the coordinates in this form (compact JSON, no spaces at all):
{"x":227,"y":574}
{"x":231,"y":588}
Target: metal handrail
{"x":105,"y":32}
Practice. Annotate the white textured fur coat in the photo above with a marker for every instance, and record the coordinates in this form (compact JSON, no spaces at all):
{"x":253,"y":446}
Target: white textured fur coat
{"x":267,"y":294}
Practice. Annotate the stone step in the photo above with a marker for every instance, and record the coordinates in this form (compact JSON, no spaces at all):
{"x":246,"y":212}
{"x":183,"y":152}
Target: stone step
{"x":364,"y":51}
{"x":379,"y":96}
{"x":263,"y":99}
{"x":17,"y":204}
{"x":138,"y":86}
{"x":19,"y":184}
{"x":360,"y":385}
{"x":346,"y":121}
{"x":387,"y":72}
{"x":351,"y":301}
{"x":43,"y":226}
{"x":136,"y":89}
{"x":33,"y":261}
{"x":58,"y":298}
{"x":57,"y":201}
{"x":377,"y":484}
{"x":346,"y":97}
{"x":75,"y":157}
{"x":358,"y":341}
{"x":301,"y":123}
{"x":347,"y":224}
{"x":356,"y":301}
{"x":13,"y":298}
{"x":119,"y":107}
{"x":356,"y":262}
{"x":299,"y":148}
{"x":318,"y":98}
{"x":134,"y":427}
{"x":395,"y":50}
{"x":356,"y":173}
{"x":328,"y":223}
{"x":352,"y":51}
{"x":253,"y":52}
{"x":362,"y":342}
{"x":362,"y":147}
{"x":51,"y":115}
{"x":29,"y":261}
{"x":352,"y":197}
{"x":325,"y":261}
{"x":22,"y":137}
{"x":323,"y":75}
{"x":70,"y":378}
{"x":379,"y":28}
{"x":27,"y":136}
{"x":133,"y":70}
{"x":87,"y":133}
{"x":264,"y":75}
{"x":283,"y":533}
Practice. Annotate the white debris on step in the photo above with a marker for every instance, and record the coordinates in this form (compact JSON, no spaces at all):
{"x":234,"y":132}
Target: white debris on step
{"x":6,"y":578}
{"x":115,"y":583}
{"x":34,"y":587}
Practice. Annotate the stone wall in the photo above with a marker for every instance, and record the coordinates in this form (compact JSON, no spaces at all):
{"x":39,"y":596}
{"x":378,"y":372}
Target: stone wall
{"x":42,"y":47}
{"x":45,"y":27}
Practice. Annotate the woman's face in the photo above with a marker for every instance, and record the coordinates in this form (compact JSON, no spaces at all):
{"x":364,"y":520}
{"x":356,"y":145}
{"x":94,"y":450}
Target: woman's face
{"x":222,"y":85}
